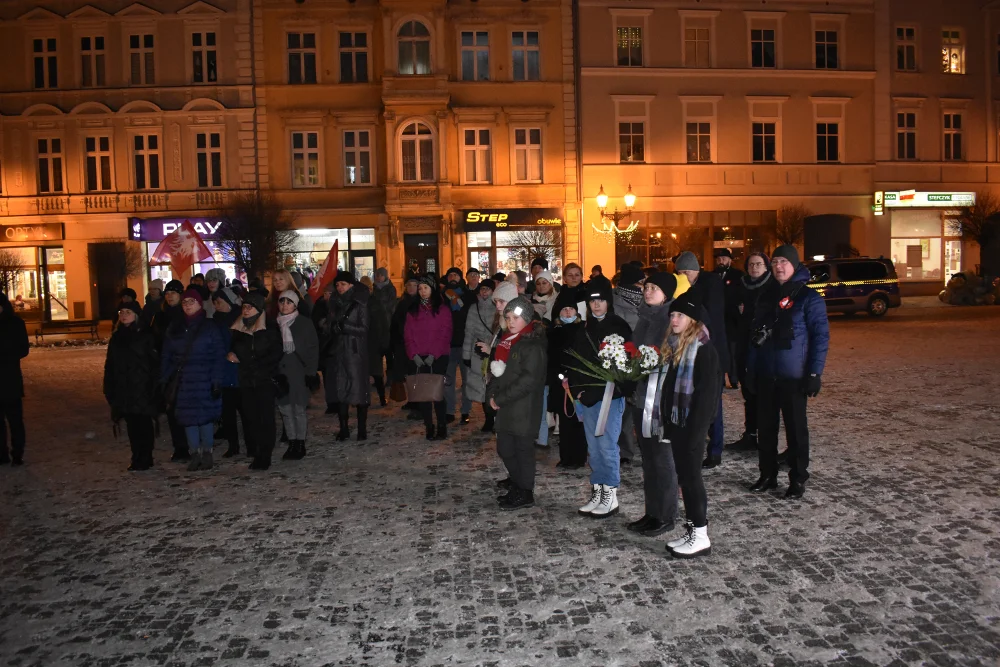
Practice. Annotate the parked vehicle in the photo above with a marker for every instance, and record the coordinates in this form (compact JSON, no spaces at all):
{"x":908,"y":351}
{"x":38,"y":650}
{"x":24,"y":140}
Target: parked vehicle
{"x":856,"y":284}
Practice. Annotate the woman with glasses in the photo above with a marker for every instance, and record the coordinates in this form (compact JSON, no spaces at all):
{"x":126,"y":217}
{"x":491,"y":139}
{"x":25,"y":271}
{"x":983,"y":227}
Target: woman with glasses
{"x":751,"y":286}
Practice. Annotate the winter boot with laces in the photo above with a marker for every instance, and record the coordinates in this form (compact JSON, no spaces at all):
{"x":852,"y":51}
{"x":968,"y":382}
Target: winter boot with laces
{"x":608,"y":505}
{"x":673,"y":544}
{"x":695,"y":544}
{"x":290,"y":452}
{"x":595,"y":500}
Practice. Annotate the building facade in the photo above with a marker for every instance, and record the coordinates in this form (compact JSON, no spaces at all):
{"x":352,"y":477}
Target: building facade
{"x":423,"y":134}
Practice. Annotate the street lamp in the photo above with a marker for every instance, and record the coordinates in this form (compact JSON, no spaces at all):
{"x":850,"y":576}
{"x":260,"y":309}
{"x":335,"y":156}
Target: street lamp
{"x":609,"y":221}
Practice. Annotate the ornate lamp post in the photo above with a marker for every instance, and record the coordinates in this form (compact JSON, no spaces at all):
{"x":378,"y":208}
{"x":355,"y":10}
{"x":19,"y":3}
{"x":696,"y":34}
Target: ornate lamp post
{"x":609,"y":221}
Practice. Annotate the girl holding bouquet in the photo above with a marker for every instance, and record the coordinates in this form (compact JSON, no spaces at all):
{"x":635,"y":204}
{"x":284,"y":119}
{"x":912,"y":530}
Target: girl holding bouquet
{"x":687,"y":406}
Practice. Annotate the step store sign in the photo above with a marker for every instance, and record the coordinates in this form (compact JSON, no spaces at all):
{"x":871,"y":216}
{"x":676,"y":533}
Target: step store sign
{"x":914,"y":199}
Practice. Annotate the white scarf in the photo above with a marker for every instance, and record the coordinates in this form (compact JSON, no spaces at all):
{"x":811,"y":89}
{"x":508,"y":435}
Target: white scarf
{"x":285,"y":324}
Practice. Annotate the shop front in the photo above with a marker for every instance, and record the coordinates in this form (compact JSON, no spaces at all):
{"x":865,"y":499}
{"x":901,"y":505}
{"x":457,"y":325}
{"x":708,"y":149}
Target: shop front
{"x":356,"y":247}
{"x":33,"y":271}
{"x":925,"y":235}
{"x":508,"y":239}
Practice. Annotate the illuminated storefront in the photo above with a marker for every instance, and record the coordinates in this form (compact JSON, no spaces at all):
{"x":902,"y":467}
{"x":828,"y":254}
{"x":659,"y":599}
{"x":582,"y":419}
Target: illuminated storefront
{"x":926,"y":244}
{"x":36,"y":272}
{"x":356,"y":247}
{"x":506,"y":240}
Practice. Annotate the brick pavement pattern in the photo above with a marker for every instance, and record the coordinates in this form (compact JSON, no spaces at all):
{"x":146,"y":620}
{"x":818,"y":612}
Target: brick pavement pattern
{"x":393,"y":552}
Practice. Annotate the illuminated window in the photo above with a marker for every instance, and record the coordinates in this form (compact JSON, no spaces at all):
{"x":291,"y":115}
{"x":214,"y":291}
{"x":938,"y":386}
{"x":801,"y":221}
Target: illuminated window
{"x":357,"y":157}
{"x":414,"y":44}
{"x":631,"y":142}
{"x":629,"y":46}
{"x":528,"y":155}
{"x":697,"y":43}
{"x":952,"y":52}
{"x":699,"y":142}
{"x":478,"y":155}
{"x":417,"y":146}
{"x":305,"y":159}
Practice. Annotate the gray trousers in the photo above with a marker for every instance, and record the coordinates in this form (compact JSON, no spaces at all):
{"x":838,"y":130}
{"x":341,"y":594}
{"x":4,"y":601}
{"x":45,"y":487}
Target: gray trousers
{"x":659,"y":476}
{"x":294,"y":419}
{"x":518,"y":454}
{"x":626,"y":440}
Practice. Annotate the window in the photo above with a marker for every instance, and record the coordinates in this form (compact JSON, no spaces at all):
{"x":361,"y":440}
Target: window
{"x":953,"y":136}
{"x":305,"y":159}
{"x":353,"y":57}
{"x":478,"y":156}
{"x":855,"y":271}
{"x":524,"y":52}
{"x":827,"y":142}
{"x":762,"y":48}
{"x":146,"y":157}
{"x":475,"y":55}
{"x":141,"y":66}
{"x":631,"y":142}
{"x":414,"y":48}
{"x":998,"y":54}
{"x":418,"y":153}
{"x":203,"y":57}
{"x":98,"y":172}
{"x":528,"y":155}
{"x":826,"y":50}
{"x":764,"y":142}
{"x":699,"y":142}
{"x":50,"y":174}
{"x":46,"y":63}
{"x":92,"y":62}
{"x":952,"y":52}
{"x":301,"y":57}
{"x":906,"y":135}
{"x":697,"y":46}
{"x":906,"y":49}
{"x":208,"y":147}
{"x":629,"y":46}
{"x":357,"y":157}
{"x":917,"y":248}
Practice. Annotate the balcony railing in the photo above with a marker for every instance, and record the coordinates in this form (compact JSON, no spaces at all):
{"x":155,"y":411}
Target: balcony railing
{"x":119,"y":202}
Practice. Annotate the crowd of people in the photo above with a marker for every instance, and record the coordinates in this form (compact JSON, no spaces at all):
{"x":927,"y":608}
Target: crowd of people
{"x":213,"y":354}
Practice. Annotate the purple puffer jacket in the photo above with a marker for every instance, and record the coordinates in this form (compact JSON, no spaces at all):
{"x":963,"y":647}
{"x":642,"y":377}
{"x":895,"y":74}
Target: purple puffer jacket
{"x":426,"y":333}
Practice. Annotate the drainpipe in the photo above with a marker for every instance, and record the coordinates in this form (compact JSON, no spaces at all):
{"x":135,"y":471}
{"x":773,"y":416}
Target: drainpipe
{"x":579,"y":122}
{"x":253,"y":95}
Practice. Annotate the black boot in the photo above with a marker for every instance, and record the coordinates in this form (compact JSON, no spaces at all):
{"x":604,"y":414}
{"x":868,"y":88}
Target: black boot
{"x":464,"y":420}
{"x":430,"y":431}
{"x":331,"y":409}
{"x":488,"y":424}
{"x":290,"y":452}
{"x":362,"y":422}
{"x":711,"y":461}
{"x":231,"y":452}
{"x":345,"y":431}
{"x":746,"y":443}
{"x":795,"y":490}
{"x":442,"y":432}
{"x":517,"y":499}
{"x":260,"y":463}
{"x":296,"y":450}
{"x":764,"y":483}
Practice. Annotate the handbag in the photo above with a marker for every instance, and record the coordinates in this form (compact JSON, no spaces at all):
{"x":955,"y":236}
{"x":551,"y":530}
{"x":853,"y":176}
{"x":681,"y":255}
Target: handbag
{"x":397,"y":392}
{"x":173,"y":384}
{"x":425,"y":387}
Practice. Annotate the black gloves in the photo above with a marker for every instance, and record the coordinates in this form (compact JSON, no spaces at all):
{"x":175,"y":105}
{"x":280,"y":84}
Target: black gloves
{"x":811,"y":385}
{"x":467,"y":362}
{"x":216,"y":392}
{"x":312,"y":382}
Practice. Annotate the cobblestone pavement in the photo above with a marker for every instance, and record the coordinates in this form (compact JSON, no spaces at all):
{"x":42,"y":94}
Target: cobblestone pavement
{"x":394,"y":552}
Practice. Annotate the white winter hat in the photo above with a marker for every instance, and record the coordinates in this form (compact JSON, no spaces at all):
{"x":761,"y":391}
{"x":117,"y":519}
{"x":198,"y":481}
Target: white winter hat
{"x":505,"y":291}
{"x":545,"y":275}
{"x":291,"y":295}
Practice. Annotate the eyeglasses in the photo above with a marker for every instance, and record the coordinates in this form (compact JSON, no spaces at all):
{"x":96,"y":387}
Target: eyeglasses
{"x":285,"y":299}
{"x":756,"y":264}
{"x":189,"y":302}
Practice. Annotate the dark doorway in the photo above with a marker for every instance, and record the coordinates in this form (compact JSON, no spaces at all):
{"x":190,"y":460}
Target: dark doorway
{"x":106,"y":276}
{"x":421,"y":253}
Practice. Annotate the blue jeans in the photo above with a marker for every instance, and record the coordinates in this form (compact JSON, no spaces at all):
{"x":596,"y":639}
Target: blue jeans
{"x":200,"y":438}
{"x":543,"y":429}
{"x":605,"y":459}
{"x":716,"y":433}
{"x":455,"y":361}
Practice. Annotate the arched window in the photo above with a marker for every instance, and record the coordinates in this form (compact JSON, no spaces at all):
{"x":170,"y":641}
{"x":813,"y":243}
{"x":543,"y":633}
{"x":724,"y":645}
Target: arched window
{"x":418,"y":153}
{"x":414,"y":48}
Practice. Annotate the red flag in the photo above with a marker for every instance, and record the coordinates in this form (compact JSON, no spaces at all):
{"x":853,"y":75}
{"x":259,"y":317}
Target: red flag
{"x":326,"y":273}
{"x":181,"y":249}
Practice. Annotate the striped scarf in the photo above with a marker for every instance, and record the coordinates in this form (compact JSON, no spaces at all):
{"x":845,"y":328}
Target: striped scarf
{"x":684,"y":384}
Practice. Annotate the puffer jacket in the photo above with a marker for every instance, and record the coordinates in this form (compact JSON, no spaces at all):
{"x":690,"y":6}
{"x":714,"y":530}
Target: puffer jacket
{"x":651,"y":328}
{"x":345,"y":348}
{"x":132,"y":372}
{"x":519,"y":391}
{"x":201,"y":371}
{"x":478,"y":329}
{"x":805,"y":353}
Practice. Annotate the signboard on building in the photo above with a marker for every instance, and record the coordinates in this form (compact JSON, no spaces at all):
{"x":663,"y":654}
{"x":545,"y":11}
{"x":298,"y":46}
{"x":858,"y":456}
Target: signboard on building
{"x":506,"y":219}
{"x":157,"y":229}
{"x":914,"y":199}
{"x":49,"y":231}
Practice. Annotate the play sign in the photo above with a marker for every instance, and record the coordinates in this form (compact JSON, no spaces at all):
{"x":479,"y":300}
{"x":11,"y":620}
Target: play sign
{"x":157,"y":229}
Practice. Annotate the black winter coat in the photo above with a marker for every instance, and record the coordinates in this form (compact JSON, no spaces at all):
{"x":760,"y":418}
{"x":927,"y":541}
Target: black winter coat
{"x":708,"y":291}
{"x":380,"y":310}
{"x":162,"y":320}
{"x":132,"y":372}
{"x":397,"y":342}
{"x":345,"y":348}
{"x":704,"y":402}
{"x":561,"y":337}
{"x":588,"y":340}
{"x":568,"y":296}
{"x":518,"y":392}
{"x":732,"y":279}
{"x":259,"y":352}
{"x":459,"y":316}
{"x":13,"y":348}
{"x":151,"y":308}
{"x":746,"y":305}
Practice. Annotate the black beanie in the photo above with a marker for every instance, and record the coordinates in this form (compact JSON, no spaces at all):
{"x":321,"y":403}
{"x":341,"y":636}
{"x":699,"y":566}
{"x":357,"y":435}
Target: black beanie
{"x":630,"y":274}
{"x":723,"y":252}
{"x":687,"y":305}
{"x":540,"y":261}
{"x":255,"y":299}
{"x":127,"y":291}
{"x":343,"y":277}
{"x":174,"y":286}
{"x":488,"y":283}
{"x":131,"y":305}
{"x":665,"y":281}
{"x":787,"y":252}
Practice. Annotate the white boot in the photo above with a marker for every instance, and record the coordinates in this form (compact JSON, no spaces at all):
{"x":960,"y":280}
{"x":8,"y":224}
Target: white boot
{"x":608,"y":505}
{"x":595,"y":499}
{"x":673,"y":544}
{"x":696,"y":544}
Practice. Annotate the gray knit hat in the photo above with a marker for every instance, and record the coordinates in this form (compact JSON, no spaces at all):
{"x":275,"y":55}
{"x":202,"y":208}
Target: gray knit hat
{"x":521,"y":307}
{"x":687,"y":261}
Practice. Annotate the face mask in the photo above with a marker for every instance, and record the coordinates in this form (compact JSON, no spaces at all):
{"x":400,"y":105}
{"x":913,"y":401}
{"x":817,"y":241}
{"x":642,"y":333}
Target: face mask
{"x":567,"y":320}
{"x":249,"y":321}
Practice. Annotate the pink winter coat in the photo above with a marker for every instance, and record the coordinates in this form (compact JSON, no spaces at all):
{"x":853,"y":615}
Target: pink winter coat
{"x":426,"y":333}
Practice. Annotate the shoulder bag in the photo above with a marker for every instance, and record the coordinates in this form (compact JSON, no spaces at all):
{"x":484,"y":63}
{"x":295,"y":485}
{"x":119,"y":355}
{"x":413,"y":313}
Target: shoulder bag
{"x":173,"y":384}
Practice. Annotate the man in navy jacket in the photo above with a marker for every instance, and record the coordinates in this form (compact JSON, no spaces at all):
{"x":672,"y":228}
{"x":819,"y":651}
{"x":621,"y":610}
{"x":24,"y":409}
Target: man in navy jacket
{"x":785,"y":366}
